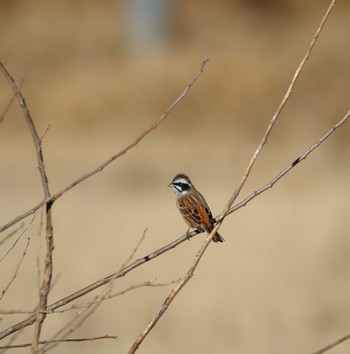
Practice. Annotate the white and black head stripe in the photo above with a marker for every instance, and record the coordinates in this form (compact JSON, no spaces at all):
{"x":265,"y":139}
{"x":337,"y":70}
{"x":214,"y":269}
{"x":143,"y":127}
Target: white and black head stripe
{"x":182,"y":185}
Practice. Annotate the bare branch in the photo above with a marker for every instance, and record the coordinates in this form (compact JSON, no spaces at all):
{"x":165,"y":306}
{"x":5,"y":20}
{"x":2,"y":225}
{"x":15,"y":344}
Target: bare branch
{"x":7,"y":108}
{"x":332,"y":345}
{"x":18,"y":238}
{"x":46,"y":284}
{"x":173,"y":293}
{"x":30,"y":320}
{"x":59,"y":341}
{"x":279,"y":109}
{"x":72,"y":325}
{"x":11,"y":234}
{"x":147,"y":283}
{"x":16,"y":270}
{"x":45,"y":132}
{"x":135,"y":249}
{"x":291,"y":166}
{"x":112,"y":158}
{"x":31,"y":126}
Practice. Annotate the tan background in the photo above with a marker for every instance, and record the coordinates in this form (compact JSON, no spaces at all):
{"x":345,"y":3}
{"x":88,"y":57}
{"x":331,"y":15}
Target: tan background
{"x":280,"y":282}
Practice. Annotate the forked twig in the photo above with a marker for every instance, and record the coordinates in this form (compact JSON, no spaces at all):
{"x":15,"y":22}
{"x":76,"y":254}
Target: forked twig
{"x":332,"y":345}
{"x":147,"y":283}
{"x":302,"y":157}
{"x":18,"y":238}
{"x":11,"y":233}
{"x":135,"y":249}
{"x":7,"y":108}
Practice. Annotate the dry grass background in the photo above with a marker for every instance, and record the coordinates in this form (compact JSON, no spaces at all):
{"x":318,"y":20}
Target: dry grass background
{"x":279,"y":284}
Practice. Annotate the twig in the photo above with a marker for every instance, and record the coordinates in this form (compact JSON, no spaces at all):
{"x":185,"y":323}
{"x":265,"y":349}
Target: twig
{"x":11,"y":234}
{"x":147,"y":283}
{"x":135,"y":249}
{"x":72,"y":325}
{"x":112,"y":158}
{"x":46,"y":284}
{"x":173,"y":293}
{"x":88,"y":310}
{"x":30,"y":320}
{"x":7,"y":108}
{"x":288,"y":168}
{"x":18,"y":238}
{"x":16,"y":270}
{"x":45,"y":132}
{"x":59,"y":341}
{"x":12,"y":340}
{"x":332,"y":345}
{"x":279,"y":110}
{"x":31,"y":126}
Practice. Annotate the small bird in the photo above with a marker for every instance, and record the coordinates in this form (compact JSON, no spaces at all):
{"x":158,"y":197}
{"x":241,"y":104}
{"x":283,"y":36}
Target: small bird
{"x":192,"y":206}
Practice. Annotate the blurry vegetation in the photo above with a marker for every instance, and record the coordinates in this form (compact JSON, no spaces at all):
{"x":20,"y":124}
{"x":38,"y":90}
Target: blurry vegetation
{"x":82,"y":69}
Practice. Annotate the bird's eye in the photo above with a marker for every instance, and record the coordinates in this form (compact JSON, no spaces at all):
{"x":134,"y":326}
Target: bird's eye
{"x":184,"y":186}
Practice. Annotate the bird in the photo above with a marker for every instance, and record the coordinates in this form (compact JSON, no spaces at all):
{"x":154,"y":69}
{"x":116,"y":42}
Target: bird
{"x":192,"y":206}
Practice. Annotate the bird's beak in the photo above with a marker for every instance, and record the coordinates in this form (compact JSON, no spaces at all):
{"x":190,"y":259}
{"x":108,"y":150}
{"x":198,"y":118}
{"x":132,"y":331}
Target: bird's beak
{"x":170,"y":185}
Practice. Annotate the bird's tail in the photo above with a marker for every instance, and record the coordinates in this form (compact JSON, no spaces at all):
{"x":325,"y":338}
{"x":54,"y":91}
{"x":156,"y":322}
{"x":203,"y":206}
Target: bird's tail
{"x":218,"y":238}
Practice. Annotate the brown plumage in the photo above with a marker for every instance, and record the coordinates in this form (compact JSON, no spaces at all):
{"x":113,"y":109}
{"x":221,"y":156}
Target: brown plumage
{"x":192,"y":206}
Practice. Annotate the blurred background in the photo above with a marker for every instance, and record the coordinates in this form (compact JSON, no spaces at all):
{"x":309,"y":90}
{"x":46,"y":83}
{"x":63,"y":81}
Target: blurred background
{"x":97,"y":74}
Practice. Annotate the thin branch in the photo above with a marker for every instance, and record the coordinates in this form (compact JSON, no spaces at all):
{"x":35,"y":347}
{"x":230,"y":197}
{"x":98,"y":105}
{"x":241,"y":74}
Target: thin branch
{"x":7,"y":108}
{"x":46,"y":284}
{"x":59,"y":341}
{"x":147,"y":283}
{"x":72,"y":325}
{"x":16,"y":270}
{"x":30,"y":320}
{"x":279,"y":109}
{"x":112,"y":158}
{"x":18,"y":238}
{"x":332,"y":345}
{"x":173,"y":293}
{"x":88,"y":311}
{"x":31,"y":126}
{"x":45,"y":132}
{"x":12,"y":340}
{"x":291,"y":166}
{"x":11,"y":233}
{"x":135,"y":249}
